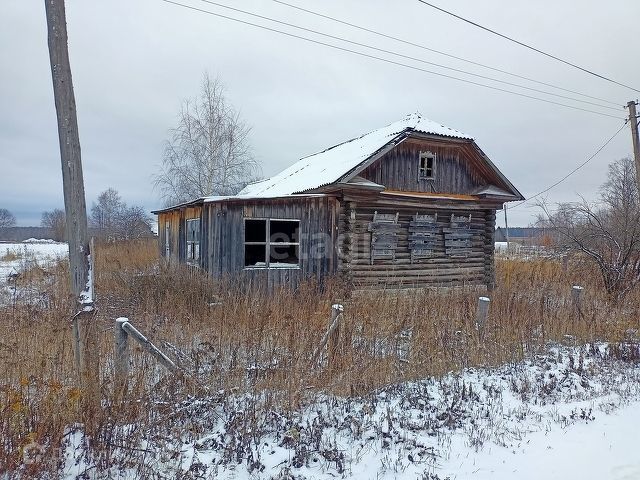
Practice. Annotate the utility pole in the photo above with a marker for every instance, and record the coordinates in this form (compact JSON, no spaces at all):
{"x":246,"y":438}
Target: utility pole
{"x":74,"y":201}
{"x":633,"y":118}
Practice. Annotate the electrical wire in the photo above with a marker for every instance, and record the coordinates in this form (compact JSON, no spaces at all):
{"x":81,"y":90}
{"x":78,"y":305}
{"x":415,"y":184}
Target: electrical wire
{"x":440,"y":52}
{"x":572,"y":171}
{"x":389,"y":61}
{"x":407,"y":57}
{"x":566,"y":62}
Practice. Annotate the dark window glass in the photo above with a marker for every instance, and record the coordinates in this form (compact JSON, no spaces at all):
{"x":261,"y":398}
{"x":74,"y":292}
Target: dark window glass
{"x":255,"y":230}
{"x":255,"y":256}
{"x":283,"y":254}
{"x":284,"y":231}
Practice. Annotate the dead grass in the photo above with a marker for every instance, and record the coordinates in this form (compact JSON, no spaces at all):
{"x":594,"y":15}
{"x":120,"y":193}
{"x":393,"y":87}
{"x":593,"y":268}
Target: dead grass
{"x":231,"y":340}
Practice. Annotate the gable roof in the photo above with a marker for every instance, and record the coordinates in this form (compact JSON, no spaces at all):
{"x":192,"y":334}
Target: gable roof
{"x":332,"y":164}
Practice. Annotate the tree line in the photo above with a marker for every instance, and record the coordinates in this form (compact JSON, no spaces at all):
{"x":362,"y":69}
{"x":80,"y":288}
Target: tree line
{"x":110,"y":218}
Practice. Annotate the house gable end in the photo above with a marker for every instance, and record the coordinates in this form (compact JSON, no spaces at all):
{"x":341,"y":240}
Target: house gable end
{"x":455,"y":166}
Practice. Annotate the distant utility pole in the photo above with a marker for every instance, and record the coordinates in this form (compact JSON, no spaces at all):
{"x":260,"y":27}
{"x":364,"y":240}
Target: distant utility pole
{"x":74,"y":201}
{"x":633,"y":119}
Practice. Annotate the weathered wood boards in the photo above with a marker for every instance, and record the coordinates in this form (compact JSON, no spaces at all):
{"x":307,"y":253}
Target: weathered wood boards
{"x":384,"y":241}
{"x":424,"y":236}
{"x":458,"y":236}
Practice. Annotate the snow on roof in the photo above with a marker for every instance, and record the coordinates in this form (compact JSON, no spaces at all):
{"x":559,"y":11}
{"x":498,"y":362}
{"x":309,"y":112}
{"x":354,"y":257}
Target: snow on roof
{"x":330,"y":165}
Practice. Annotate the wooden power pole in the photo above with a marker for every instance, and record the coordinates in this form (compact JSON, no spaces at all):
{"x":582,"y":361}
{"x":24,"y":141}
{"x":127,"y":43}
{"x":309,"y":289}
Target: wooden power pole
{"x":74,"y":200}
{"x":633,"y":119}
{"x":72,"y":179}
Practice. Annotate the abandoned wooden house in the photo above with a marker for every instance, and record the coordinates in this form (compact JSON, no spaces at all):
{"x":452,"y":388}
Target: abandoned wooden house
{"x":411,"y":204}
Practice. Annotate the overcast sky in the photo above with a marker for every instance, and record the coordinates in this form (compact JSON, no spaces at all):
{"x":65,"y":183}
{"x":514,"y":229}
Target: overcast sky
{"x":134,"y":62}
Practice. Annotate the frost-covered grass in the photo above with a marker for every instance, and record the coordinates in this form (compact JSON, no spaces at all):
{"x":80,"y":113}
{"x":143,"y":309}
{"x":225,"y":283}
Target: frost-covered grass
{"x":412,"y":390}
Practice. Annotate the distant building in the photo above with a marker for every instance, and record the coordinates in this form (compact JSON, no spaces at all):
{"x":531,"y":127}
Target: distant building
{"x":410,"y":204}
{"x":533,"y":236}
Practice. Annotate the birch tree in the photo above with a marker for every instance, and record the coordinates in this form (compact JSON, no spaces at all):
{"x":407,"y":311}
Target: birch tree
{"x":208,"y":152}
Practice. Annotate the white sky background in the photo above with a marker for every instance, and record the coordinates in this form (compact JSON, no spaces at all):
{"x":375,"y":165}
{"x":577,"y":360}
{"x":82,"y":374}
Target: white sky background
{"x":134,"y":62}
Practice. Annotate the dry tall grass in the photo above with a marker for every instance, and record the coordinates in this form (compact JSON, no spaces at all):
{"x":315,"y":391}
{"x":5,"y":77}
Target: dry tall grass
{"x":229,"y":340}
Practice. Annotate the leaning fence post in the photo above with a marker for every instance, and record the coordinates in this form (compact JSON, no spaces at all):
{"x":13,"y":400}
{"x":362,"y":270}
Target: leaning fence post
{"x":331,"y":338}
{"x":576,"y":294}
{"x":334,"y":333}
{"x":481,"y":314}
{"x":121,"y":361}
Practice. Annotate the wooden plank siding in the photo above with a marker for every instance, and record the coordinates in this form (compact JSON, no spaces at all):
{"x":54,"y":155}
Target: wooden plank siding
{"x":222,"y":238}
{"x":456,"y":168}
{"x":177,"y":220}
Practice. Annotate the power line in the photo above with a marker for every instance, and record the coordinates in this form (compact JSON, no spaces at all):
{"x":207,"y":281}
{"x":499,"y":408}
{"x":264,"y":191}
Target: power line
{"x":407,"y":57}
{"x":440,"y":52}
{"x":566,"y":62}
{"x":574,"y":170}
{"x":386,"y":60}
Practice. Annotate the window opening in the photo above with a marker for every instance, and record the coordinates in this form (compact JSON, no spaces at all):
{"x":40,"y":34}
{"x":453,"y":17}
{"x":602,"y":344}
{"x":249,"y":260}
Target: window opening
{"x":427,"y":165}
{"x":193,"y":240}
{"x":271,"y":243}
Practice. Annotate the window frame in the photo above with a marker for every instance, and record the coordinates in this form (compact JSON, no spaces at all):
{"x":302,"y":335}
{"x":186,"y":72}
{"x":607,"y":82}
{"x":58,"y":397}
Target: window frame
{"x":194,"y":259}
{"x":268,"y":244}
{"x":167,"y":243}
{"x":423,"y":170}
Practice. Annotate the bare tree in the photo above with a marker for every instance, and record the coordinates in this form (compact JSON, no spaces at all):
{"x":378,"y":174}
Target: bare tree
{"x":208,"y":152}
{"x":106,"y":211}
{"x":608,"y":233}
{"x":134,"y":222}
{"x":113,"y":219}
{"x":55,"y":220}
{"x":7,"y":219}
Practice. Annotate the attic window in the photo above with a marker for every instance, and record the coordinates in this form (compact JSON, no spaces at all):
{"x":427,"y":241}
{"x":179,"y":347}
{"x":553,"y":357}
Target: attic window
{"x":271,"y":243}
{"x":427,"y":166}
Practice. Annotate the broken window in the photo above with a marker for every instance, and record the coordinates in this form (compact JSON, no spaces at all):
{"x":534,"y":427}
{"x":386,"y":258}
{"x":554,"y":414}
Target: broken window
{"x":193,"y":240}
{"x":271,"y":243}
{"x":427,"y":166}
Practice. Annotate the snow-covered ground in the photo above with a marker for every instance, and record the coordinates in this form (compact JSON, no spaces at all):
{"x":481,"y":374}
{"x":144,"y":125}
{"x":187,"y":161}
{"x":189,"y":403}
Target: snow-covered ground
{"x":568,"y":413}
{"x":604,"y":448}
{"x":16,"y":257}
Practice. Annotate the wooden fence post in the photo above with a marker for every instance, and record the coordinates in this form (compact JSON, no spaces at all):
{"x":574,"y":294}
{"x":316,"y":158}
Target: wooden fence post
{"x":481,"y":314}
{"x":330,"y":339}
{"x":121,"y":359}
{"x":333,"y":344}
{"x":576,"y":294}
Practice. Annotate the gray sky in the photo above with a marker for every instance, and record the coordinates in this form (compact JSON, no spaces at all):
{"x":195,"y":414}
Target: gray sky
{"x":134,"y":62}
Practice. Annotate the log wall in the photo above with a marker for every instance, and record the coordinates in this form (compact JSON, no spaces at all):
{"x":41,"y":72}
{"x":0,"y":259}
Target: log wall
{"x":437,"y":270}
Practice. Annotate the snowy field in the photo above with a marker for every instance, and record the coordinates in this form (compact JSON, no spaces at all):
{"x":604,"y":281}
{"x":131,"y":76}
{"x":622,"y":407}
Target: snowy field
{"x":16,"y":257}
